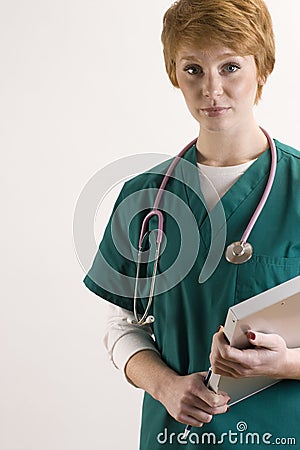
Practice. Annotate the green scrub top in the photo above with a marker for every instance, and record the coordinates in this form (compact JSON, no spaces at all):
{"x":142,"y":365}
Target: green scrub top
{"x":188,"y":312}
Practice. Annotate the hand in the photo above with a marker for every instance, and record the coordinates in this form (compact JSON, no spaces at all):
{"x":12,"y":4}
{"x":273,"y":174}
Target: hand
{"x":189,"y":401}
{"x":268,"y":357}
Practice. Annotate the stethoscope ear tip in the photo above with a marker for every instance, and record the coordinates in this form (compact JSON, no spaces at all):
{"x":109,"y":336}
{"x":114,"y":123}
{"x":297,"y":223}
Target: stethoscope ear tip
{"x":131,"y":321}
{"x":147,"y":321}
{"x":150,"y":319}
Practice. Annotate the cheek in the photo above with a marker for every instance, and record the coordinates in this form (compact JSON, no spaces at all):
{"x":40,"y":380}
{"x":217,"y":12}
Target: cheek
{"x":188,"y":88}
{"x":245,"y":88}
{"x":191,"y":98}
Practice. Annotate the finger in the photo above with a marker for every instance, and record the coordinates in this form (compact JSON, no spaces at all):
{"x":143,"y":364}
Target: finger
{"x":206,"y":399}
{"x":226,"y":368}
{"x":220,"y":335}
{"x":270,"y":341}
{"x":201,"y":415}
{"x":206,"y":414}
{"x":221,"y":350}
{"x":197,"y":403}
{"x":221,"y":410}
{"x":227,"y":355}
{"x":218,"y":410}
{"x":213,"y":400}
{"x":195,"y":417}
{"x":188,"y":419}
{"x":210,"y":398}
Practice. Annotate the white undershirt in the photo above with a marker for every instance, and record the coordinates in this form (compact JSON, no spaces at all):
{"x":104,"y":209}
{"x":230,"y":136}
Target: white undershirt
{"x":216,"y":181}
{"x":122,"y":340}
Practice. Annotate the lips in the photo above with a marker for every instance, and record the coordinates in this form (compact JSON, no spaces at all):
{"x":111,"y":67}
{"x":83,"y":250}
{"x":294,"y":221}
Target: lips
{"x":215,"y":111}
{"x":215,"y":108}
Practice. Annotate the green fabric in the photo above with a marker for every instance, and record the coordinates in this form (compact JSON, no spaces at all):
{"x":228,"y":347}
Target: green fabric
{"x":189,"y":313}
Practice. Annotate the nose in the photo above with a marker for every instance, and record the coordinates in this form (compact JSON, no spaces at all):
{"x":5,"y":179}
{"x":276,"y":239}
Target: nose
{"x":212,"y":86}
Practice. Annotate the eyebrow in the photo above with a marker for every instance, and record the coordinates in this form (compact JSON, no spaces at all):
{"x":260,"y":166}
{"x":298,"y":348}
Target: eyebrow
{"x":193,"y":57}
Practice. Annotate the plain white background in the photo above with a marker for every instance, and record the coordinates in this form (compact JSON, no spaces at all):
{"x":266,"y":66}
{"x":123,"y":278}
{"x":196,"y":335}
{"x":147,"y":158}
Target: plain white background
{"x":82,"y":85}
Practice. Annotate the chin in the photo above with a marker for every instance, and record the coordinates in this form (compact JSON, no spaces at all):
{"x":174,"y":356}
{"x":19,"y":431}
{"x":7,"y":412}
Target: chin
{"x":214,"y":127}
{"x":219,"y":125}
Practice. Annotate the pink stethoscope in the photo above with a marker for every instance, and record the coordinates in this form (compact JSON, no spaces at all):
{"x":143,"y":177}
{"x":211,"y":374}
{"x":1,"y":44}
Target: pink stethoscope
{"x":236,"y":253}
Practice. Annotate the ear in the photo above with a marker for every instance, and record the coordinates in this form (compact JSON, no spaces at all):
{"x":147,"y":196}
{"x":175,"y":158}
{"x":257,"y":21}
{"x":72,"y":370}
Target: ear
{"x":262,"y":80}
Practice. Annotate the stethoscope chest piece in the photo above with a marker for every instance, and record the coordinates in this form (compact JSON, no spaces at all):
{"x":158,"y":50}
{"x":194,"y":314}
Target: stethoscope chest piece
{"x":238,"y":252}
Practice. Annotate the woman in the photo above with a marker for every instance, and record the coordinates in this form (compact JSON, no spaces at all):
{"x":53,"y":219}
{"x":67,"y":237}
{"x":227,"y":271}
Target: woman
{"x":219,"y":53}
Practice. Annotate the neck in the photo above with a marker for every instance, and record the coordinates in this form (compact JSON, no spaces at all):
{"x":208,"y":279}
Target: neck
{"x":230,"y":148}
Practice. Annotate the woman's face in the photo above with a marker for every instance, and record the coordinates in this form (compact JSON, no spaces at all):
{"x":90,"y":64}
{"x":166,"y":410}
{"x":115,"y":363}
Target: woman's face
{"x":218,"y":85}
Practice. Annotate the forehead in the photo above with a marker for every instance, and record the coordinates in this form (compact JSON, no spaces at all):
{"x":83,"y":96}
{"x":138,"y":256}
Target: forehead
{"x":207,"y":53}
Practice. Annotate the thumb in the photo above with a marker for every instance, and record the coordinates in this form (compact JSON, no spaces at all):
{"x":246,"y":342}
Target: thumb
{"x":270,"y":341}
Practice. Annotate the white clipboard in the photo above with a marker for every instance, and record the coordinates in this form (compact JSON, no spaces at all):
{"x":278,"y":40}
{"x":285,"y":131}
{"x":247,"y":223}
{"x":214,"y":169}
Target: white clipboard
{"x":276,"y":310}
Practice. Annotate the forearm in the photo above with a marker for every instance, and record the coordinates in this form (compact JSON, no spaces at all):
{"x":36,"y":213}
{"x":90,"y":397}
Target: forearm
{"x":147,"y":371}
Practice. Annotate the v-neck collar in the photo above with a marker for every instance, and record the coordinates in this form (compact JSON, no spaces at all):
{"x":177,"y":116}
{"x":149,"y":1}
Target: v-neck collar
{"x":254,"y":178}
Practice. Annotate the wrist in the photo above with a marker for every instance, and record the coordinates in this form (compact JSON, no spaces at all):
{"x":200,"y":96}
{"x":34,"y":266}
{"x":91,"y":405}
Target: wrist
{"x":292,"y":366}
{"x":149,"y":372}
{"x":165,"y":384}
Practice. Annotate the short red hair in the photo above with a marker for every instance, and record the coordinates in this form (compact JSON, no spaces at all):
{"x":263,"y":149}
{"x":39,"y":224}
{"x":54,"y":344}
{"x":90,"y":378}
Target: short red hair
{"x":245,"y":26}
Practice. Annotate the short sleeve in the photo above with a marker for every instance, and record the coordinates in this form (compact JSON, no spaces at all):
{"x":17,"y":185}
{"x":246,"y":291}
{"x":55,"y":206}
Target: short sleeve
{"x":113,"y":272}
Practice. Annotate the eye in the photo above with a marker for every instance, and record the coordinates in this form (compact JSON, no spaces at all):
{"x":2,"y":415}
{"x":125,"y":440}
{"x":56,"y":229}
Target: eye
{"x":231,"y":67}
{"x":193,"y":69}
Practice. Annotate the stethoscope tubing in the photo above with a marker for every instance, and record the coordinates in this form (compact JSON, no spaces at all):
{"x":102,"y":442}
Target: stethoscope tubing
{"x":267,"y":190}
{"x":155,"y":211}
